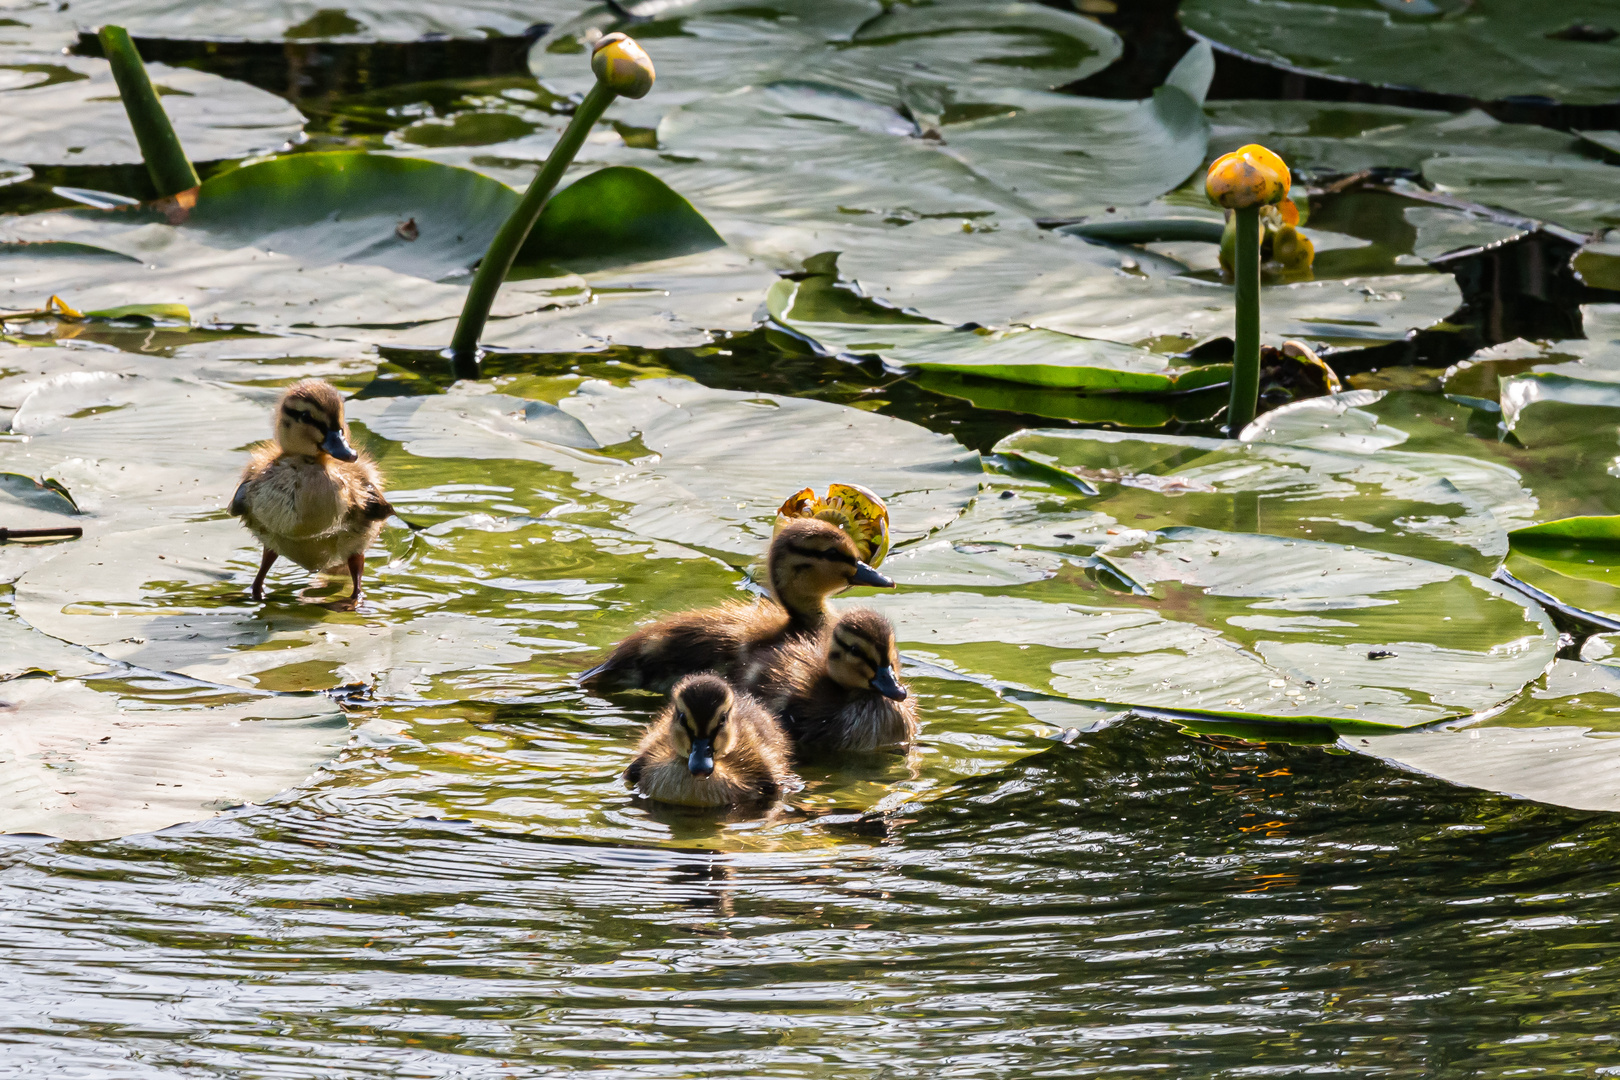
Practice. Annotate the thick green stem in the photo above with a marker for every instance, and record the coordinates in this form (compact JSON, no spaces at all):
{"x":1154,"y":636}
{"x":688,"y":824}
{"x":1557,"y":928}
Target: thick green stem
{"x":160,"y":147}
{"x":1246,"y":355}
{"x":504,"y":248}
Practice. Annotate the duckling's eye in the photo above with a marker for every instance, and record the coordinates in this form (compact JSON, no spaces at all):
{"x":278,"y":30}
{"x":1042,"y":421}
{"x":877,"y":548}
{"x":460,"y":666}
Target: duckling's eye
{"x":836,"y":654}
{"x":680,"y":716}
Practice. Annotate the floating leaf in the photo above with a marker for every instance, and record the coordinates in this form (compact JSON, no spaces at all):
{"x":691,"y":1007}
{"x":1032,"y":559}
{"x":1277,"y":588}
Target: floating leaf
{"x":84,"y":764}
{"x":819,"y":309}
{"x":47,"y":494}
{"x":215,"y":118}
{"x":1233,"y":625}
{"x":1346,"y":39}
{"x":274,"y":20}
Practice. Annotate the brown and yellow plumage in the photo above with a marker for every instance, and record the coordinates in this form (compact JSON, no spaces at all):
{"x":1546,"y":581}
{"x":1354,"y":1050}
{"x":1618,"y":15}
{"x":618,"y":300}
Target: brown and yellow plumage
{"x":840,"y":690}
{"x":309,"y":496}
{"x":711,"y":747}
{"x":808,"y":561}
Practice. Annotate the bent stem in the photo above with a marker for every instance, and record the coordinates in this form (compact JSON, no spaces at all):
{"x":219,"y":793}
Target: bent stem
{"x":165,"y":158}
{"x":504,"y":248}
{"x":1246,"y":354}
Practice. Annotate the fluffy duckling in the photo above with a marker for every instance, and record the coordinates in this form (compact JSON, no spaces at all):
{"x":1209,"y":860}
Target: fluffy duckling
{"x":808,"y":561}
{"x":839,"y":691}
{"x":309,"y":495}
{"x":711,"y":747}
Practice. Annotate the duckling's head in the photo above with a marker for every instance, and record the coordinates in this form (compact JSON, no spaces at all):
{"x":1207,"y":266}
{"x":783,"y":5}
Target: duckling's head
{"x":700,"y":724}
{"x":309,"y":421}
{"x":811,"y":559}
{"x":861,"y":654}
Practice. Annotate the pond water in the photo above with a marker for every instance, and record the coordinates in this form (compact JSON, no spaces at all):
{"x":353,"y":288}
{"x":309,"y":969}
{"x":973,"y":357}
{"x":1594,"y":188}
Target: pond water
{"x":1258,"y":756}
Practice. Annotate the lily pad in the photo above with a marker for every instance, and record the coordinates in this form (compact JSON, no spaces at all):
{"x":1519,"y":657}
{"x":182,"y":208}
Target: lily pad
{"x":85,"y":764}
{"x":360,"y":241}
{"x":709,"y":48}
{"x":1034,"y":278}
{"x":1219,"y":624}
{"x":1447,"y":508}
{"x":1575,"y":560}
{"x":305,"y":20}
{"x":1028,"y":356}
{"x":1564,"y":766}
{"x":713,"y":465}
{"x":1426,"y":44}
{"x":215,"y":118}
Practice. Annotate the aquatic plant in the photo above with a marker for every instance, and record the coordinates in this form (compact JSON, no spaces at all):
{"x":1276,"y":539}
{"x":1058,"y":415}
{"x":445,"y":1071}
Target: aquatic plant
{"x":166,"y":161}
{"x":1243,"y":181}
{"x":622,"y":69}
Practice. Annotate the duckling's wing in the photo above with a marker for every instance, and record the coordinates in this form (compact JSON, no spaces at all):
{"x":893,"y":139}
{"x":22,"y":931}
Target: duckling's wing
{"x":239,"y":500}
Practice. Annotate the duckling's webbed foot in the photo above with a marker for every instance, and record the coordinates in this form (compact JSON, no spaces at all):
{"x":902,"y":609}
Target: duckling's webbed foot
{"x":266,"y":561}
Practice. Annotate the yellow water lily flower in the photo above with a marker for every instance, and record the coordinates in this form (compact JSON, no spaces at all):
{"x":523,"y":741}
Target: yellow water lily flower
{"x":855,"y":509}
{"x":1248,"y":176}
{"x":623,"y":66}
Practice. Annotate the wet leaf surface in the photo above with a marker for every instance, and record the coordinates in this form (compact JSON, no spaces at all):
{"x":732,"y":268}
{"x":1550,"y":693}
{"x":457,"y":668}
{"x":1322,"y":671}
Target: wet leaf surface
{"x":215,"y":118}
{"x":1435,"y":46}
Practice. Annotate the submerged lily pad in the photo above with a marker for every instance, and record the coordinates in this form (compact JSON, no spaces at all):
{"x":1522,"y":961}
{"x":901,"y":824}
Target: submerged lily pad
{"x":1492,"y":49}
{"x":86,"y":764}
{"x":215,"y":118}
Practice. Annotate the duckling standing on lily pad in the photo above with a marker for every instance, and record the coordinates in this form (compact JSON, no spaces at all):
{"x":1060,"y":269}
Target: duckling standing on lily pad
{"x":711,"y":747}
{"x":309,"y":496}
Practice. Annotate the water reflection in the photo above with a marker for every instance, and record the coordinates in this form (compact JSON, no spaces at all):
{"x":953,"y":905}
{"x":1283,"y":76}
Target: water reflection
{"x":1137,"y":902}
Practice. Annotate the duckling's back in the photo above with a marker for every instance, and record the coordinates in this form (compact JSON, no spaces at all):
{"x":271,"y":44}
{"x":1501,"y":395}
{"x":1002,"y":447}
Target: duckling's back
{"x":718,"y":639}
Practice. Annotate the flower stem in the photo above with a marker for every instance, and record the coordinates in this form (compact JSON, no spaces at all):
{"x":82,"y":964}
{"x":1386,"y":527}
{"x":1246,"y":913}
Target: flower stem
{"x":504,"y":248}
{"x":1246,"y":354}
{"x":165,"y":158}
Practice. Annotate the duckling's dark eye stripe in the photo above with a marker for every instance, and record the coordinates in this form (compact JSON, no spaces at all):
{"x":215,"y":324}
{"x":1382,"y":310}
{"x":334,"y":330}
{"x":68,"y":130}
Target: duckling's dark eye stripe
{"x":832,"y":555}
{"x":308,"y":418}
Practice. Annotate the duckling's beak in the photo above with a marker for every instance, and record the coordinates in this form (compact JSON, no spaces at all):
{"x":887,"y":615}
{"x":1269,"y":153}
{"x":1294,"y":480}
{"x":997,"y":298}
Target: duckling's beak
{"x":865,"y":575}
{"x":700,"y":762}
{"x":336,"y":445}
{"x":886,"y":684}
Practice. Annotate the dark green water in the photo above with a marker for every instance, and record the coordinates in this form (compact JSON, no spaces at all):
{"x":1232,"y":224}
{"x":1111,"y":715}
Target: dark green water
{"x":1136,"y":904}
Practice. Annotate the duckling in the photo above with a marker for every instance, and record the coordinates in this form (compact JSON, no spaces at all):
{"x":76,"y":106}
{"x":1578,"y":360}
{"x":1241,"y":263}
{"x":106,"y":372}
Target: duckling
{"x":808,"y":561}
{"x":309,"y":495}
{"x":711,"y":747}
{"x":839,"y":691}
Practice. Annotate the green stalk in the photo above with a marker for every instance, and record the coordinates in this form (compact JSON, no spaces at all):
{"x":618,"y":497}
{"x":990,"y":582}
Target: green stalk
{"x":1246,"y":355}
{"x":504,"y":248}
{"x":165,"y":158}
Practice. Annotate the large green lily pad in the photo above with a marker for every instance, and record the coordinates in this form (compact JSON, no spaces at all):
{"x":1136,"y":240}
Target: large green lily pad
{"x":1023,"y":276}
{"x":1255,"y":629}
{"x":1444,"y":507}
{"x":69,"y":113}
{"x":361,"y":242}
{"x":315,"y":20}
{"x":832,"y":316}
{"x":86,"y":764}
{"x":1487,"y":49}
{"x":708,"y":48}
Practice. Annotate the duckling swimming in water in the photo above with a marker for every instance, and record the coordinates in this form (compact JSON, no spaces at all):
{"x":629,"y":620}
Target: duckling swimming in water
{"x":309,"y":495}
{"x":838,"y":691}
{"x":711,"y":747}
{"x":808,"y":561}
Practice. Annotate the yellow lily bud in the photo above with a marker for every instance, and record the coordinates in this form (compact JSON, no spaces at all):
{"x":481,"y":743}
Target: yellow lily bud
{"x":1248,"y":176}
{"x":623,"y":66}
